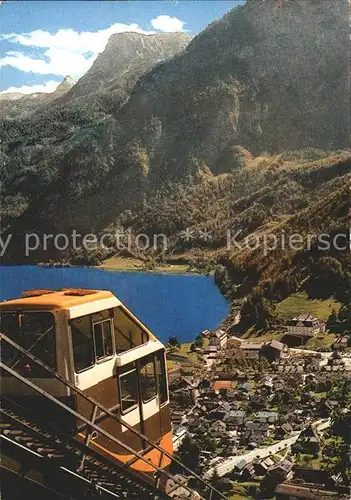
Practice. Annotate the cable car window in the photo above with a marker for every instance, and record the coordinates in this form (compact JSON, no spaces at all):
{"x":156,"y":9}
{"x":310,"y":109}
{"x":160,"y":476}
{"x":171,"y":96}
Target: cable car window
{"x":101,"y":315}
{"x":161,"y":377}
{"x":103,"y":339}
{"x":35,"y":332}
{"x":128,"y":333}
{"x":147,"y":378}
{"x":128,"y":386}
{"x":83,"y":345}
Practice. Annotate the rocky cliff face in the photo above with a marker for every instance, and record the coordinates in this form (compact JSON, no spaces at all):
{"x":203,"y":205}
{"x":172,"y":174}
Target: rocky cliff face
{"x":69,"y":144}
{"x":271,"y":75}
{"x":17,"y":105}
{"x":111,"y":78}
{"x":126,"y":57}
{"x":64,"y":87}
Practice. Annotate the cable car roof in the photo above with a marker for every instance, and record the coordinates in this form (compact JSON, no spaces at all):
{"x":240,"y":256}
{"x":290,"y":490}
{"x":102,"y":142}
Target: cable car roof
{"x":56,"y":299}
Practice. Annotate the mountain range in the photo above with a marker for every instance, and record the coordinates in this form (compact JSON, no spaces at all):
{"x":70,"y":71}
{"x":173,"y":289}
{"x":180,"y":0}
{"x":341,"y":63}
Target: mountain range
{"x":260,"y":96}
{"x":18,"y":105}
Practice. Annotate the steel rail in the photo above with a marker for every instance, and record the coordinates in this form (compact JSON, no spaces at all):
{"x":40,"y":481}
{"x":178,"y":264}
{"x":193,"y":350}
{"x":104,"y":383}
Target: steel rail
{"x":110,"y":414}
{"x":83,"y":480}
{"x":51,"y":398}
{"x":69,"y":444}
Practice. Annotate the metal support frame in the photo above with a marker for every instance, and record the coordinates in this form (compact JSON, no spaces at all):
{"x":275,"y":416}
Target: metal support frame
{"x":89,"y":432}
{"x":157,"y":476}
{"x":109,"y":465}
{"x":36,"y":460}
{"x":90,"y":425}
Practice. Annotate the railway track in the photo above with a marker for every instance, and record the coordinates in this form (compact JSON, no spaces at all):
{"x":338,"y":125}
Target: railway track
{"x":50,"y":455}
{"x":52,"y":459}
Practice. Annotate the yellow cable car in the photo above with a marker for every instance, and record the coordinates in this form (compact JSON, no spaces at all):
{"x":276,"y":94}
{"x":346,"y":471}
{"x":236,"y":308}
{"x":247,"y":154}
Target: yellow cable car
{"x":93,"y":341}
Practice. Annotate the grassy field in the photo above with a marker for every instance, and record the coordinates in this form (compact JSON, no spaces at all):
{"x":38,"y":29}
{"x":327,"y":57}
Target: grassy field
{"x":240,"y":490}
{"x":300,"y":303}
{"x":171,"y":365}
{"x":185,"y":351}
{"x":122,"y":264}
{"x":310,"y":461}
{"x":258,"y":336}
{"x":320,"y":341}
{"x":319,"y":395}
{"x":131,"y":264}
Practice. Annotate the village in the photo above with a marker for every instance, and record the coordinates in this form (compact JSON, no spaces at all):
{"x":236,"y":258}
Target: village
{"x":265,"y":417}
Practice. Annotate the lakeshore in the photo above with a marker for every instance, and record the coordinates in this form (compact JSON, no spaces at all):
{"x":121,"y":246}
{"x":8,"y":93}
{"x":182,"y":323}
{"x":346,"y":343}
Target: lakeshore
{"x":170,"y":304}
{"x":137,"y":265}
{"x":250,"y":413}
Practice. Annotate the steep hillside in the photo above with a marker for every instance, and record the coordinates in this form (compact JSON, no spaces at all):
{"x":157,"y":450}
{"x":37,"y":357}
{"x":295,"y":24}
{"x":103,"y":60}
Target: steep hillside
{"x":70,"y":145}
{"x":126,"y":57}
{"x":17,"y":105}
{"x":109,"y":81}
{"x":275,"y":226}
{"x":266,"y":195}
{"x":268,"y":77}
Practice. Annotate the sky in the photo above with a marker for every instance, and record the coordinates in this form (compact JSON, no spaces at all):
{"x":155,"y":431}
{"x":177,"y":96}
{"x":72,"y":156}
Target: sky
{"x":43,"y":41}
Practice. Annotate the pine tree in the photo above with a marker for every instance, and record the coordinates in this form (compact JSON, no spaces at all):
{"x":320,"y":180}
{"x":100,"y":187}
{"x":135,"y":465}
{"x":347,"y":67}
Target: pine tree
{"x":188,"y":452}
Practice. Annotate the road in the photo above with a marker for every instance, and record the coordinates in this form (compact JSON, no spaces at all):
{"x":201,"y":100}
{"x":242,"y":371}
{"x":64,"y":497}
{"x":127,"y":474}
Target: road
{"x":306,"y":351}
{"x":229,"y":464}
{"x":181,"y":431}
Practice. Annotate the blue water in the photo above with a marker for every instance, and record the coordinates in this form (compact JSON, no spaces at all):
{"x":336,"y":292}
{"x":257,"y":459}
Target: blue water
{"x":169,"y":304}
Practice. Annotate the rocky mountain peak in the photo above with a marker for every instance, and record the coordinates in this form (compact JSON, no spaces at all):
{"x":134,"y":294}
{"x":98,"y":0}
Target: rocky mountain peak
{"x":268,"y":76}
{"x":153,"y":111}
{"x":126,"y":57}
{"x":11,"y":96}
{"x":18,"y":104}
{"x":67,"y":83}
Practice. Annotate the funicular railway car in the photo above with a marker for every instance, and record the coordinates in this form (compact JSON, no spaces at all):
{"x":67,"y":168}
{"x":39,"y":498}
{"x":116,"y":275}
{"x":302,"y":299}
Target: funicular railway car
{"x":93,"y":341}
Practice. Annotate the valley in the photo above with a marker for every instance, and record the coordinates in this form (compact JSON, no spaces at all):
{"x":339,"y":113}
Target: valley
{"x":144,"y":143}
{"x":202,"y":176}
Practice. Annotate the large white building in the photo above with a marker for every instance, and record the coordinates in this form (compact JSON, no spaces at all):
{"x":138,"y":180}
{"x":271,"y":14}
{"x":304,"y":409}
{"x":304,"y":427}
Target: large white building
{"x":219,"y":338}
{"x":305,"y":324}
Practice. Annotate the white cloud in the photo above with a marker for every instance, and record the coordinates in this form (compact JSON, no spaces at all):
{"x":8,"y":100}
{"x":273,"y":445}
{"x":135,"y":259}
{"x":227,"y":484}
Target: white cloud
{"x":167,"y":23}
{"x":67,"y":51}
{"x":57,"y":62}
{"x":47,"y":87}
{"x":71,"y":40}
